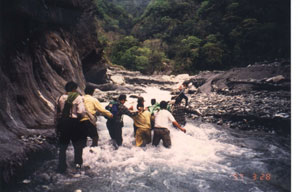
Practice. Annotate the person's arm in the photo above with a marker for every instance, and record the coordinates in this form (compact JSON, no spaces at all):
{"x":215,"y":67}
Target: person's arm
{"x":126,"y":111}
{"x":178,"y":126}
{"x":103,"y":111}
{"x":174,"y":122}
{"x":80,"y":107}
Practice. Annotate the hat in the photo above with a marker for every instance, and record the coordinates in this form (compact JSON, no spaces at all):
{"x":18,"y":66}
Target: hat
{"x":122,"y":97}
{"x":140,"y":100}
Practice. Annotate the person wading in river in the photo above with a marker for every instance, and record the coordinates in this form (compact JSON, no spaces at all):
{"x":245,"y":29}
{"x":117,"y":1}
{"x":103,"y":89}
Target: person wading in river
{"x":181,"y":94}
{"x":180,"y":111}
{"x":69,"y":109}
{"x":116,"y":124}
{"x":140,"y":101}
{"x":154,"y":107}
{"x":142,"y":121}
{"x":88,"y":122}
{"x":163,"y":119}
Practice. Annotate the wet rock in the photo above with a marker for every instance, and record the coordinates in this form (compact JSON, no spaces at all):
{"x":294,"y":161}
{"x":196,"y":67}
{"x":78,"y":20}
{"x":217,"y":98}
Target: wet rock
{"x":245,"y":80}
{"x":256,"y":110}
{"x":192,"y":89}
{"x":276,"y":79}
{"x":197,"y":82}
{"x":26,"y":181}
{"x":118,"y":79}
{"x":103,"y":87}
{"x":182,"y":77}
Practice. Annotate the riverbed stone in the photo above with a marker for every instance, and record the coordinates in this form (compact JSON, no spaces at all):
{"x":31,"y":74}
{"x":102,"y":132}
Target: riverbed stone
{"x":118,"y":79}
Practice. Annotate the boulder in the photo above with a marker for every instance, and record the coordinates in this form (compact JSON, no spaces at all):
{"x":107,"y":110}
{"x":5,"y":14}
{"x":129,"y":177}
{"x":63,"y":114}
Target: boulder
{"x":118,"y":79}
{"x":275,"y":79}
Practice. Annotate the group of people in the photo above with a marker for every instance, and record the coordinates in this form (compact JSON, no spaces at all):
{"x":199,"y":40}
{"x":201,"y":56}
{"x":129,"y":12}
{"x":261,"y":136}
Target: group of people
{"x":76,"y":117}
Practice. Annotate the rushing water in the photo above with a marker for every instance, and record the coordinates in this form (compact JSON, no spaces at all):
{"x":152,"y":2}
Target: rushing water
{"x":206,"y":158}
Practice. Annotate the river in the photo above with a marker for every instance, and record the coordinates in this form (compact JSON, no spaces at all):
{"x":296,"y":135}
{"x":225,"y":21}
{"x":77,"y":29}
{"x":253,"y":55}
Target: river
{"x":208,"y":158}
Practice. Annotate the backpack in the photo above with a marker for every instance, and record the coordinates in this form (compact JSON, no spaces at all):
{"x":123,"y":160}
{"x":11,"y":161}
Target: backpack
{"x":154,"y":108}
{"x":68,"y":104}
{"x":113,"y":107}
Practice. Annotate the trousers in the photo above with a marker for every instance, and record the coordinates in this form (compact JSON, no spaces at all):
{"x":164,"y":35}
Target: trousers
{"x":90,"y":131}
{"x":162,"y":134}
{"x":69,"y":129}
{"x":115,"y":130}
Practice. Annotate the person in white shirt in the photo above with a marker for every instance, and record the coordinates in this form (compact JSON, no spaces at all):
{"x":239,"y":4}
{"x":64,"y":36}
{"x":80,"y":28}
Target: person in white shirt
{"x":69,"y":109}
{"x":163,"y":121}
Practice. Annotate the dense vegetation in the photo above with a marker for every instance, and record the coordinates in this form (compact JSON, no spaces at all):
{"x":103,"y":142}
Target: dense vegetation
{"x":133,"y":7}
{"x":113,"y":18}
{"x":192,"y":35}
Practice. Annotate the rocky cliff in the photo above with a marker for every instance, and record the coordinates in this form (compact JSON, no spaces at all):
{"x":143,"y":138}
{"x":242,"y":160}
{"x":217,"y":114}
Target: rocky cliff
{"x":43,"y":44}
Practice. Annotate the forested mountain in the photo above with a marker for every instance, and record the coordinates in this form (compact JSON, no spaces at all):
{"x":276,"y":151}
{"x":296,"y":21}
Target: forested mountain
{"x":192,"y":35}
{"x":113,"y":18}
{"x":133,"y":7}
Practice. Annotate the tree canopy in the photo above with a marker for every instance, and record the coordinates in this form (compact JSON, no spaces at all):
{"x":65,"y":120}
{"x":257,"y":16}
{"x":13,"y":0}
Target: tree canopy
{"x":197,"y":34}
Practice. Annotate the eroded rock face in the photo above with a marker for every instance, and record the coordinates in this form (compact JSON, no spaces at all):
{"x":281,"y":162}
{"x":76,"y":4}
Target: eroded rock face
{"x":44,"y":44}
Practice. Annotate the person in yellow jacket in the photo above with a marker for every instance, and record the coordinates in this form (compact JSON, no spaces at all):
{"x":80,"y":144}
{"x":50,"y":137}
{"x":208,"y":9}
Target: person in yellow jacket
{"x":92,"y":106}
{"x":143,"y":123}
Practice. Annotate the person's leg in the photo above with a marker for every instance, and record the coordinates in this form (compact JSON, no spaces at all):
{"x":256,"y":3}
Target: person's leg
{"x":62,"y":165}
{"x":63,"y":140}
{"x":78,"y":149}
{"x":156,"y":137}
{"x":109,"y":125}
{"x":134,"y":130}
{"x":147,"y":136}
{"x":93,"y":133}
{"x":138,"y":138}
{"x":78,"y":141}
{"x":118,"y":134}
{"x":166,"y":138}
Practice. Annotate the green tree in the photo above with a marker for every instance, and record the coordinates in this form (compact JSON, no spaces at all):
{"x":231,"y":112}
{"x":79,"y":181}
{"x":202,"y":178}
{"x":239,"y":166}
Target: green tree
{"x":212,"y":55}
{"x":120,"y":47}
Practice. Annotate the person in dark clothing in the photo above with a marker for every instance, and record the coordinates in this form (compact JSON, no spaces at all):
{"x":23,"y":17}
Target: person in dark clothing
{"x":180,"y":111}
{"x":181,"y":94}
{"x":116,"y":124}
{"x":69,"y":109}
{"x":112,"y":107}
{"x":153,"y":101}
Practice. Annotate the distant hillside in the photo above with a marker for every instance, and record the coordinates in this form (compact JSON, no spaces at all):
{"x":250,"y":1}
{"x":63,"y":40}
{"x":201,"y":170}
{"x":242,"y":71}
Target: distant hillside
{"x":193,"y":35}
{"x":133,"y":7}
{"x":214,"y":34}
{"x":113,"y":17}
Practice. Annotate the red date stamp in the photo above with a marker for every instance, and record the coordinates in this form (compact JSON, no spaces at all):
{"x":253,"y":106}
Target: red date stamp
{"x":254,"y":176}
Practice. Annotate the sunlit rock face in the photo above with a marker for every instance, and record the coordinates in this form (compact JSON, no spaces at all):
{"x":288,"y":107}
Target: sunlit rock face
{"x":43,"y":45}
